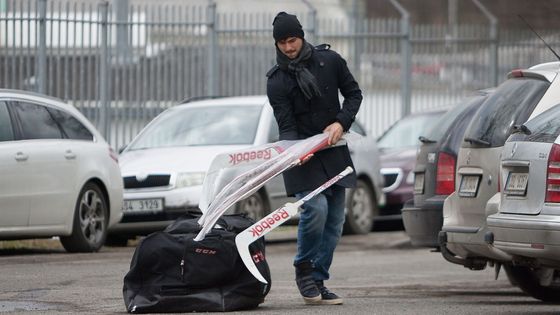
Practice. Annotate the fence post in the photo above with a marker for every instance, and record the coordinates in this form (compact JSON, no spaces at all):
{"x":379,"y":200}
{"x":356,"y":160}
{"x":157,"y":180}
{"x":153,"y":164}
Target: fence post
{"x":493,"y":51}
{"x":406,"y":56}
{"x":104,"y":76}
{"x":312,"y":22}
{"x":211,"y":89}
{"x":41,"y":72}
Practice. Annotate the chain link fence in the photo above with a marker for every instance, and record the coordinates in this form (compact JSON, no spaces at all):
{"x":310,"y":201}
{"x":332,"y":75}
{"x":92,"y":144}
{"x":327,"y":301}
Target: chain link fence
{"x":123,"y":65}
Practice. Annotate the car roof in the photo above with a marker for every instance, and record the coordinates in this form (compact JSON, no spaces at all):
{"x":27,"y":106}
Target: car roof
{"x":51,"y":101}
{"x":548,"y":71}
{"x":227,"y":101}
{"x":29,"y":95}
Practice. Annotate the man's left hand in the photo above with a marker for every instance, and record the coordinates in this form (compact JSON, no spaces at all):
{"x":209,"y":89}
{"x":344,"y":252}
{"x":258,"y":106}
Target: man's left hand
{"x":335,"y":131}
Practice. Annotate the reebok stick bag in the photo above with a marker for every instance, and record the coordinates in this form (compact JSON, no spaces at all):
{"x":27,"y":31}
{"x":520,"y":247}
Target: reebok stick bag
{"x":170,"y":272}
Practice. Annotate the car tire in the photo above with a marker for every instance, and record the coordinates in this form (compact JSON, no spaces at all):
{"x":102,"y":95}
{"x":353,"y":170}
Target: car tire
{"x":361,"y":208}
{"x":89,"y":229}
{"x":255,"y":206}
{"x":527,"y":280}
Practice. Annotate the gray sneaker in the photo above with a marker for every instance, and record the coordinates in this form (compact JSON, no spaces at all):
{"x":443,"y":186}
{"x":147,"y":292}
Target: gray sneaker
{"x":328,"y":297}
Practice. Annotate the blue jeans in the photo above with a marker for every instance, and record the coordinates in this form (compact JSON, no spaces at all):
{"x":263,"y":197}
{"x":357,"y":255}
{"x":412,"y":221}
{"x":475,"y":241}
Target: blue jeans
{"x":319,"y":229}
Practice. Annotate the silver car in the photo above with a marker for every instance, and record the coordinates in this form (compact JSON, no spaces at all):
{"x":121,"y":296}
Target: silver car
{"x":527,"y":226}
{"x":524,"y":93}
{"x":164,"y":166}
{"x":59,"y":177}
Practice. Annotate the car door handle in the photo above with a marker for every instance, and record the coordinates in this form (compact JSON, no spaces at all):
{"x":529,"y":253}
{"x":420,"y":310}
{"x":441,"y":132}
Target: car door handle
{"x":69,"y":155}
{"x":20,"y":156}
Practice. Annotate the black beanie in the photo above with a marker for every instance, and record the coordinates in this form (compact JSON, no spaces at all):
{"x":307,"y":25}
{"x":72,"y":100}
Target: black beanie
{"x":286,"y":25}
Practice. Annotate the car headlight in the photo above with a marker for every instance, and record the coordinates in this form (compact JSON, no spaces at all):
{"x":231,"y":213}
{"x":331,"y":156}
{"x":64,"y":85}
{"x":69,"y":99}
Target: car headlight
{"x":189,"y":179}
{"x":410,"y":178}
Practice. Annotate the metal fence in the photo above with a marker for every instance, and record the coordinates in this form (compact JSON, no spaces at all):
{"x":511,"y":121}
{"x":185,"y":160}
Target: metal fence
{"x":121,"y":66}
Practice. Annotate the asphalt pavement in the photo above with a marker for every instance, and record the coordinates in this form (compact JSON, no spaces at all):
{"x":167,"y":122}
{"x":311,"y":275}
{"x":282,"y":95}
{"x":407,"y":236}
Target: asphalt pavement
{"x":378,"y":273}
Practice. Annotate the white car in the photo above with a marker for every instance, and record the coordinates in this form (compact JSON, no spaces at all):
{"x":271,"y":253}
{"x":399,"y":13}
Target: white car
{"x":465,"y":238}
{"x":59,"y":177}
{"x":165,"y":164}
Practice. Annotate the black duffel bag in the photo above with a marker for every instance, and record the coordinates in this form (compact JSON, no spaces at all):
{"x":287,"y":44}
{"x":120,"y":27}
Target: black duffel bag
{"x":170,"y":272}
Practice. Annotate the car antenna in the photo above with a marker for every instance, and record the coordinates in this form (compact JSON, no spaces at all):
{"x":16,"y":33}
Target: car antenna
{"x":533,"y":30}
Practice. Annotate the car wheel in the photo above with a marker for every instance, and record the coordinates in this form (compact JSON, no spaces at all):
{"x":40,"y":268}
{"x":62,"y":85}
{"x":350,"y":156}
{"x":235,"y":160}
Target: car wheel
{"x":89,"y":228}
{"x":360,"y":209}
{"x":528,"y":280}
{"x":255,"y":206}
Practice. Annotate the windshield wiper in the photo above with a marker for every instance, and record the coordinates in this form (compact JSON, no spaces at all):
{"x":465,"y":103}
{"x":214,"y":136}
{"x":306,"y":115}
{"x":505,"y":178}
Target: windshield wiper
{"x":426,"y":140}
{"x":521,"y":128}
{"x":477,"y":141}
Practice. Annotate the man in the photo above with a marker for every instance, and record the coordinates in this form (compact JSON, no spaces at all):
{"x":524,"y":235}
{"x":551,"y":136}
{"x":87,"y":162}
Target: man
{"x":303,"y":91}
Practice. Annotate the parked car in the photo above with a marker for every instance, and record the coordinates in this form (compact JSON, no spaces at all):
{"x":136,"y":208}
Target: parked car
{"x":525,"y":93}
{"x":164,"y":166}
{"x":59,"y":177}
{"x":527,"y":225}
{"x":398,"y":147}
{"x":434,"y":173}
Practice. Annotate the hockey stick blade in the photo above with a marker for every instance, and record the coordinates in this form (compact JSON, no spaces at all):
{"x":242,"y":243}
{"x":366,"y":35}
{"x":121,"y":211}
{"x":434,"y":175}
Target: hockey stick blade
{"x":272,"y":221}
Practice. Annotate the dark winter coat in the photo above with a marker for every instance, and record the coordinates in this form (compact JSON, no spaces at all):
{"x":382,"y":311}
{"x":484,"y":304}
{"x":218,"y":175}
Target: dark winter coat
{"x":300,"y":118}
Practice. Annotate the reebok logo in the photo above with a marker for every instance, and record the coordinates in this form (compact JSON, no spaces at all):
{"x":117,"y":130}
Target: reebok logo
{"x":269,"y":221}
{"x":249,"y":156}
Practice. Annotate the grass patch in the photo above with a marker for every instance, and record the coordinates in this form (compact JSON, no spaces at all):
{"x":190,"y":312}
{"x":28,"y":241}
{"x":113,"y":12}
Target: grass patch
{"x":47,"y":243}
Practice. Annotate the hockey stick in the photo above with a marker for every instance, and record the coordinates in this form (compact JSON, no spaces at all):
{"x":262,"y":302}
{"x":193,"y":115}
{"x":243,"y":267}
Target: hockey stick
{"x":273,"y":220}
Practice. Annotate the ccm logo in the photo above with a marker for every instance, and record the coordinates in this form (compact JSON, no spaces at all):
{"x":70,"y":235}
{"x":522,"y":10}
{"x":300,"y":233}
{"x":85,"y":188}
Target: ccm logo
{"x":269,"y":221}
{"x":258,"y":257}
{"x":205,"y":251}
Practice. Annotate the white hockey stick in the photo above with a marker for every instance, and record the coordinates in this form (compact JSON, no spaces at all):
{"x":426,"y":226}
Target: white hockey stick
{"x":273,"y":220}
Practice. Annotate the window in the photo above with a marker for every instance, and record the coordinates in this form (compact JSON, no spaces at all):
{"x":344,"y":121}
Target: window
{"x":36,"y":122}
{"x":512,"y":103}
{"x":201,"y":126}
{"x":273,"y":132}
{"x":72,"y":127}
{"x":405,"y":132}
{"x":357,"y":128}
{"x":544,"y":128}
{"x":6,"y":131}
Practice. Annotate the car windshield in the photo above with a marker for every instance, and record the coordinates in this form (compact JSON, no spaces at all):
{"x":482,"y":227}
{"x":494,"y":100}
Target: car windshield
{"x":405,"y":132}
{"x":200,"y":126}
{"x":511,"y":103}
{"x":543,"y":128}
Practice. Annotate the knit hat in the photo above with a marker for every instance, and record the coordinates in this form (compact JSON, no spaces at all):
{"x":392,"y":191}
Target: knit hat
{"x":286,"y":25}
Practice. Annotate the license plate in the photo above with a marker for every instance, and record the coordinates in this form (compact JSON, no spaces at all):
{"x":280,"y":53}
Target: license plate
{"x":142,"y":205}
{"x":469,"y":185}
{"x":517,"y":184}
{"x":419,"y":183}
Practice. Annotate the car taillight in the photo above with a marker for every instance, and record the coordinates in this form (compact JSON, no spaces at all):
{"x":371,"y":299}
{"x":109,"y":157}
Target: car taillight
{"x":445,"y":174}
{"x":553,"y":175}
{"x":113,"y":155}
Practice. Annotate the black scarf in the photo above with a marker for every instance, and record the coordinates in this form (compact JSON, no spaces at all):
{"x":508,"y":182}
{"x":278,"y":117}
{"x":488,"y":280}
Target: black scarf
{"x":305,"y":79}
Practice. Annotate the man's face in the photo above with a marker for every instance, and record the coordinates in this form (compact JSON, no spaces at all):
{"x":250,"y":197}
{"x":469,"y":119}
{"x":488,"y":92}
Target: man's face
{"x":290,"y":46}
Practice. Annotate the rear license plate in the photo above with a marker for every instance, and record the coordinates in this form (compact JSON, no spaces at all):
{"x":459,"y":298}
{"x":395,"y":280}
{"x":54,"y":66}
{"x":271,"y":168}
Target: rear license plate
{"x":469,"y":185}
{"x":142,"y":205}
{"x":418,"y":183}
{"x":517,"y":184}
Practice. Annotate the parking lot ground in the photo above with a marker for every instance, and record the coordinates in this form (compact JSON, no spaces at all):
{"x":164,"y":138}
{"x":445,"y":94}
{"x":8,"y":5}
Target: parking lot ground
{"x":378,"y":273}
